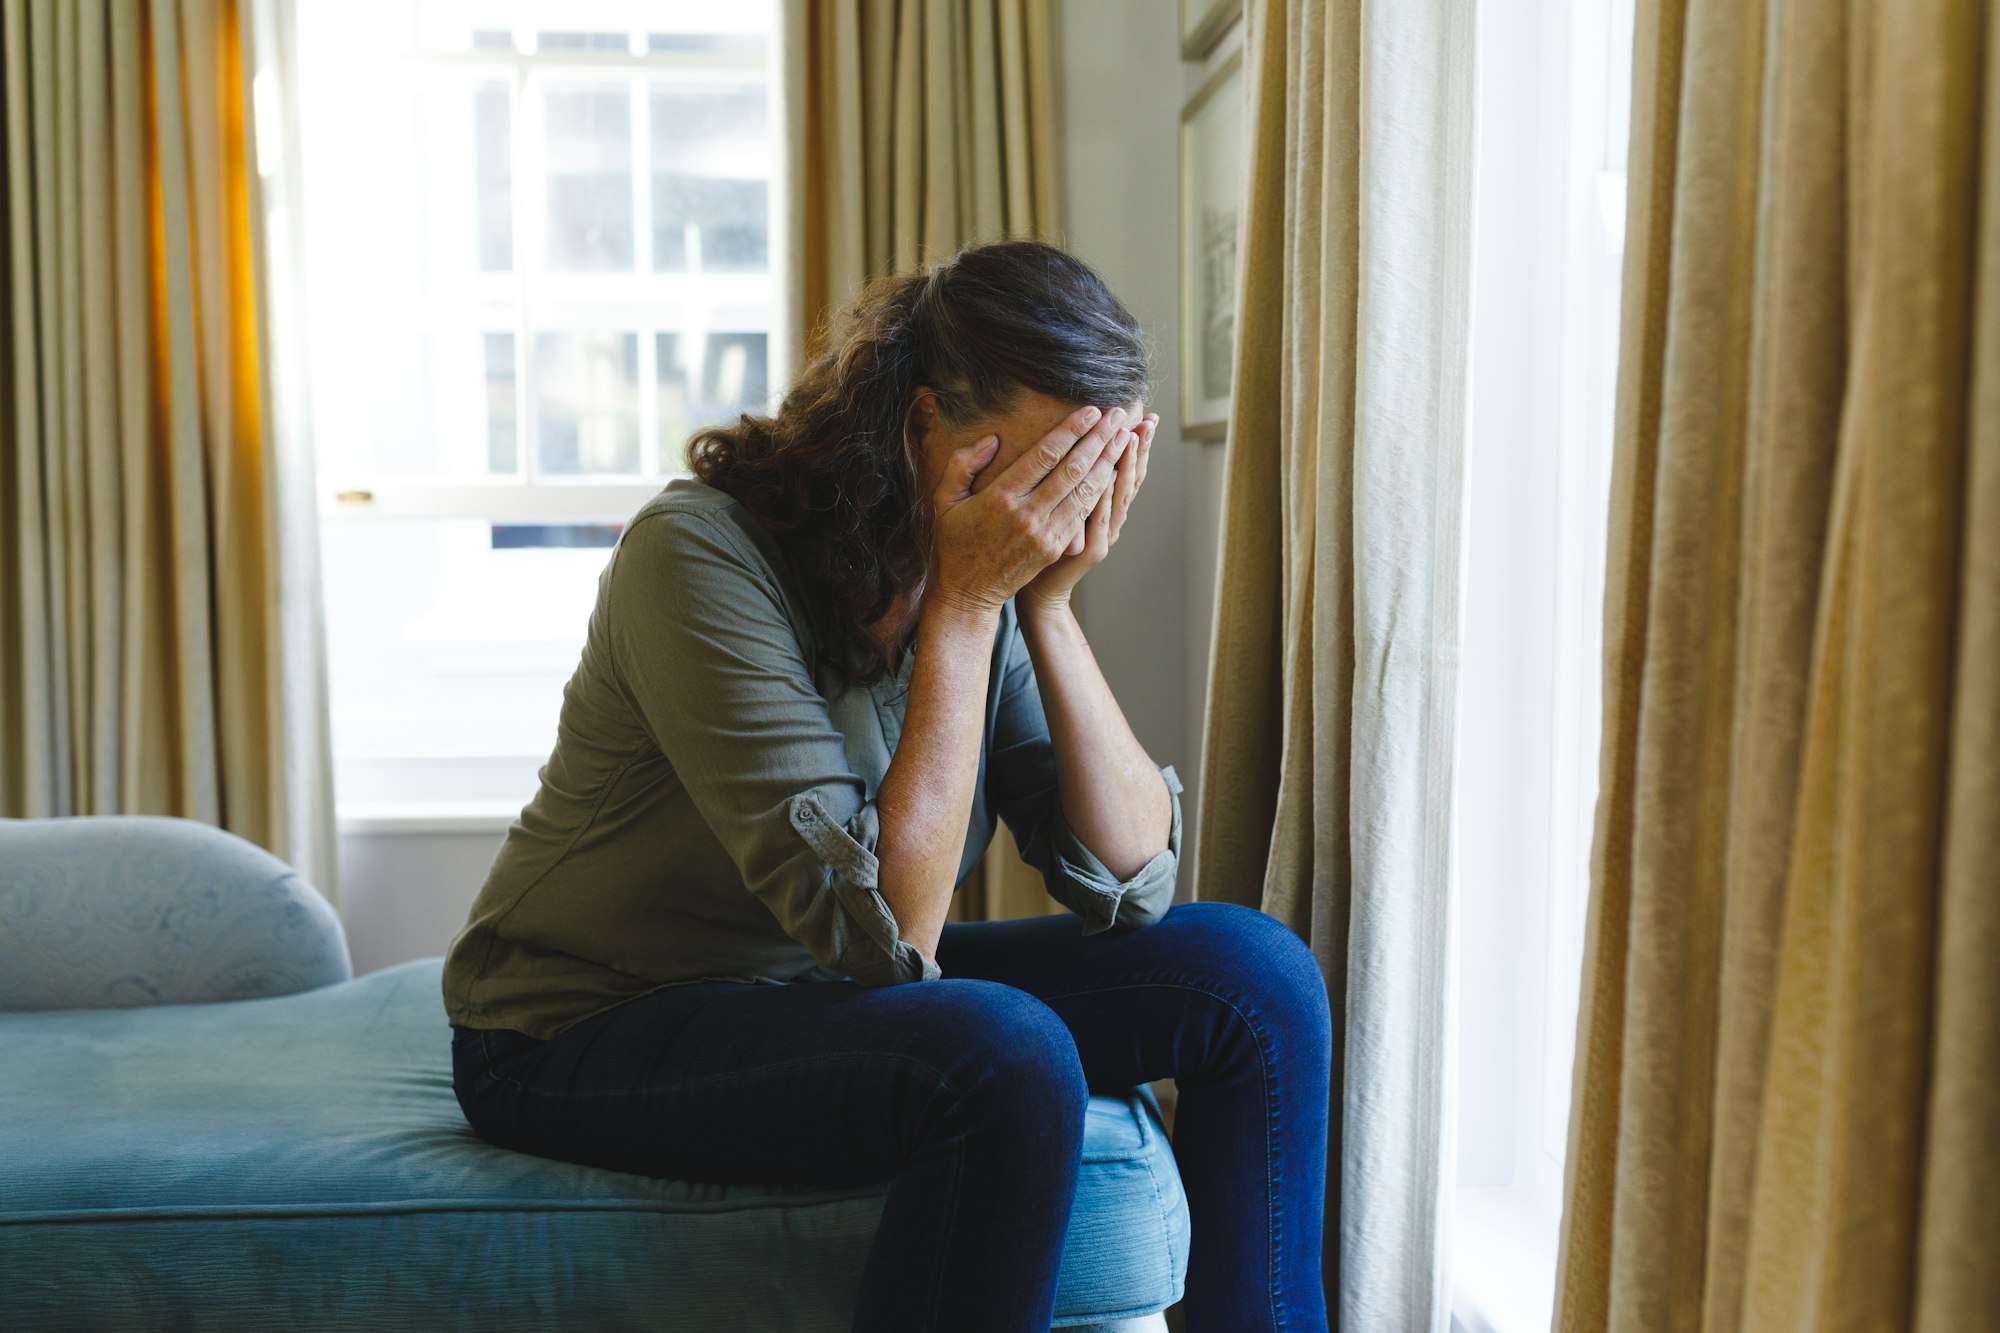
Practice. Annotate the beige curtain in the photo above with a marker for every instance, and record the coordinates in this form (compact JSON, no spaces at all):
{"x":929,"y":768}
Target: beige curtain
{"x":142,"y":668}
{"x":1326,"y":760}
{"x":1787,"y":1083}
{"x":915,"y":127}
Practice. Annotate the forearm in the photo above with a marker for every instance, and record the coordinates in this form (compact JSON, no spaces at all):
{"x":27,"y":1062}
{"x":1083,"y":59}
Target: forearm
{"x":926,"y":796}
{"x":1110,"y":788}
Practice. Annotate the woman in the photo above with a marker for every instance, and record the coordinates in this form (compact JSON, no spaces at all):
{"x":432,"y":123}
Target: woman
{"x":713,"y":947}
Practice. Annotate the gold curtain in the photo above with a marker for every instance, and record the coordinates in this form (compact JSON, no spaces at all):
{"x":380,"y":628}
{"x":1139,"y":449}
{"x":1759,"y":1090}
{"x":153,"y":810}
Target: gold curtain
{"x":141,"y":665}
{"x":1787,"y":1081}
{"x":916,"y":127}
{"x":1326,"y":759}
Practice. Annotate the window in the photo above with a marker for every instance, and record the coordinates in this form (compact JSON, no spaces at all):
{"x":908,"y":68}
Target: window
{"x":536,"y":243}
{"x":1549,"y":195}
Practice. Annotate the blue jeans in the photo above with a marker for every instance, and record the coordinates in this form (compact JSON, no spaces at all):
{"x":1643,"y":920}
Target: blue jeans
{"x":968,"y":1094}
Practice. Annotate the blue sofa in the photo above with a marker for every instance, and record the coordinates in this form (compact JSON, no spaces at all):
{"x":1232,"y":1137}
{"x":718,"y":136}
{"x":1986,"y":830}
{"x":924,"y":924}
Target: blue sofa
{"x":206,"y":1121}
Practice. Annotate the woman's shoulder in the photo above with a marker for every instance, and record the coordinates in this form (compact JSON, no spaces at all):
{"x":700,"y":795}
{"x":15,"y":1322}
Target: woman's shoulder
{"x":693,"y":520}
{"x":690,"y":495}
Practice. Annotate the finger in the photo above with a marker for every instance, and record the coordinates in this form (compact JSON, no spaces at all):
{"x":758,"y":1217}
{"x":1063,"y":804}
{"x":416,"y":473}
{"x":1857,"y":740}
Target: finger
{"x":964,"y":465}
{"x":1101,"y":519}
{"x":1061,"y":483}
{"x":1025,"y":473}
{"x":1124,"y":489}
{"x":1076,"y":506}
{"x":1146,"y":447}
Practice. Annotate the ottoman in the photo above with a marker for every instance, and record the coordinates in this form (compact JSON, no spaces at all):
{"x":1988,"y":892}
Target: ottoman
{"x":207,"y":1122}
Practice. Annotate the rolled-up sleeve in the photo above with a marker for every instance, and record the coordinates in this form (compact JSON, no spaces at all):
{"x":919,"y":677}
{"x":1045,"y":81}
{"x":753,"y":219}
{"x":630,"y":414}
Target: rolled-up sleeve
{"x":702,"y":641}
{"x":1021,"y":783}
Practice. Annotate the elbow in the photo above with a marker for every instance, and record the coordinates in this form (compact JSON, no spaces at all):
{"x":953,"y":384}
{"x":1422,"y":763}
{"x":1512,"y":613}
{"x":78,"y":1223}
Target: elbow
{"x":896,"y":965}
{"x":1145,"y":904}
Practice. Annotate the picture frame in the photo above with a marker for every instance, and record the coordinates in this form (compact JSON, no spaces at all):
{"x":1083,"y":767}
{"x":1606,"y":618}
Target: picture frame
{"x":1202,"y":24}
{"x":1213,"y":149}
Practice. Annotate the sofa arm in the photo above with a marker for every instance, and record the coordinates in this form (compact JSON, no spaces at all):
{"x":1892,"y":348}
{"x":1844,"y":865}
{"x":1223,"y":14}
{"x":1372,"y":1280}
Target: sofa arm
{"x":120,"y":911}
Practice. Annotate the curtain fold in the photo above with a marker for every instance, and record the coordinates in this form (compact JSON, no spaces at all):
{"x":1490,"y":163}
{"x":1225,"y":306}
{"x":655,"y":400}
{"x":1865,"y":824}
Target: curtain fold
{"x":915,"y":127}
{"x":1787,"y":1073}
{"x":144,"y":665}
{"x":1326,"y":781}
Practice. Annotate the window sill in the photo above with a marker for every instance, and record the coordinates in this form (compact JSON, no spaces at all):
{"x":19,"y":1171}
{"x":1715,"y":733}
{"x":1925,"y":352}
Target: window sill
{"x":434,"y":817}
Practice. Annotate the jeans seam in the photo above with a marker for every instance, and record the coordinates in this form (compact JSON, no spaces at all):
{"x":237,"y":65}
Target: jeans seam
{"x":1160,"y":1206}
{"x":1270,"y":1110}
{"x":950,"y":1220}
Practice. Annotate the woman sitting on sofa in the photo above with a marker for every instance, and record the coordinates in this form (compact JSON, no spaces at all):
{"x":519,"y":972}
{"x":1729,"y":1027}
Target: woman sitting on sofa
{"x":714,"y":946}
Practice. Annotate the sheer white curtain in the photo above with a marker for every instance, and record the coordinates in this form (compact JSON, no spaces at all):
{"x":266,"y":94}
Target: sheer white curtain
{"x":1327,"y":753}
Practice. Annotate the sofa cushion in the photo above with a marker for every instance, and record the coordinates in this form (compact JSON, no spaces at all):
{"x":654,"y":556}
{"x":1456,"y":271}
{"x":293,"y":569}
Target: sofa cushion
{"x":301,"y":1160}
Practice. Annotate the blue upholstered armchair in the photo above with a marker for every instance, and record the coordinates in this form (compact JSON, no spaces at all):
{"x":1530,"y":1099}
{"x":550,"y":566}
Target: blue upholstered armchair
{"x":206,"y":1121}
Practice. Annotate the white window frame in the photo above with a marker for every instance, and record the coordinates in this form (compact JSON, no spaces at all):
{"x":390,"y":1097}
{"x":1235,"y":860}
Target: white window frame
{"x":528,"y":299}
{"x":525,"y":300}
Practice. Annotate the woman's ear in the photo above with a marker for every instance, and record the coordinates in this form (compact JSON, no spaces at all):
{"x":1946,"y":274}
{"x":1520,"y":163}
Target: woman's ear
{"x":922,"y":414}
{"x":919,"y":423}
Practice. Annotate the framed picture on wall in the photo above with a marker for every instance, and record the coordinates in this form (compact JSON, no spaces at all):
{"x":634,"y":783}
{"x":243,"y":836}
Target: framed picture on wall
{"x":1202,"y":24}
{"x":1213,"y":149}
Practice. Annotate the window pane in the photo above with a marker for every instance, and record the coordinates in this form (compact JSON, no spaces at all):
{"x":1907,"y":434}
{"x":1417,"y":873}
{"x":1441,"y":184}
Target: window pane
{"x":733,"y":376}
{"x":493,"y":154}
{"x":616,"y":42}
{"x":710,"y":168}
{"x":555,"y":536}
{"x":586,"y":389}
{"x":742,"y":45}
{"x":589,"y":155}
{"x":502,"y":436}
{"x":422,"y":612}
{"x":729,"y":377}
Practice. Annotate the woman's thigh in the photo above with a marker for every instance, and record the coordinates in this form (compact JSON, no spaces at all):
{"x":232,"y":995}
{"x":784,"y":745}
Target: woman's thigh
{"x":828,"y":1083}
{"x":1170,"y":999}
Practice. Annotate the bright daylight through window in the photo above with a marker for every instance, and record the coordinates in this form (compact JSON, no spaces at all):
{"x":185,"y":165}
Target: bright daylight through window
{"x":536,"y":256}
{"x":1549,"y":219}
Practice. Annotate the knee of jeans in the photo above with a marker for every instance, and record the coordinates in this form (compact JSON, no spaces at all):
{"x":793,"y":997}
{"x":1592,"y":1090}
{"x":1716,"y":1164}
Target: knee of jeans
{"x":1018,"y":1049}
{"x":1261,"y":958}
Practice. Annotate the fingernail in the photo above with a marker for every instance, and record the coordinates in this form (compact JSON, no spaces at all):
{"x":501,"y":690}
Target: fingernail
{"x":1117,"y":415}
{"x":1090,"y":416}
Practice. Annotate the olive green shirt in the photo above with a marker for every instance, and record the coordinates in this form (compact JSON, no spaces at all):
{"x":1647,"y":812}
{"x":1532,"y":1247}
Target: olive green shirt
{"x":709,"y":813}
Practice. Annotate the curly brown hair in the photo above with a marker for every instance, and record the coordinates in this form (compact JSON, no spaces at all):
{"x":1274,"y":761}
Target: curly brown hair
{"x":832,"y":476}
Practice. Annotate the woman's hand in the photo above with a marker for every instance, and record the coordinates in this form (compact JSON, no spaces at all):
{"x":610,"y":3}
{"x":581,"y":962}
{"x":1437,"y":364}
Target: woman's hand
{"x":988,"y":545}
{"x":1050,"y":590}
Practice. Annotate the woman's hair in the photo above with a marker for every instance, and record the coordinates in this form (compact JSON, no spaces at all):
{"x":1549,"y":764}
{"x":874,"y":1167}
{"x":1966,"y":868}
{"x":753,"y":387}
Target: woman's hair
{"x":832,"y":477}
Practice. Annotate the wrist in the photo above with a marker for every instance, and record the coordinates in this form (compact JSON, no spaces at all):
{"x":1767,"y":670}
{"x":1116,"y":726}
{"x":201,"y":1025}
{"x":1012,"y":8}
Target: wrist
{"x":946,"y":614}
{"x":1048,"y":625}
{"x":1042,"y":606}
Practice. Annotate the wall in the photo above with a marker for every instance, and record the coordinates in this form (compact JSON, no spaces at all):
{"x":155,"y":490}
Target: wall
{"x":1148,"y":610}
{"x":405,"y":892}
